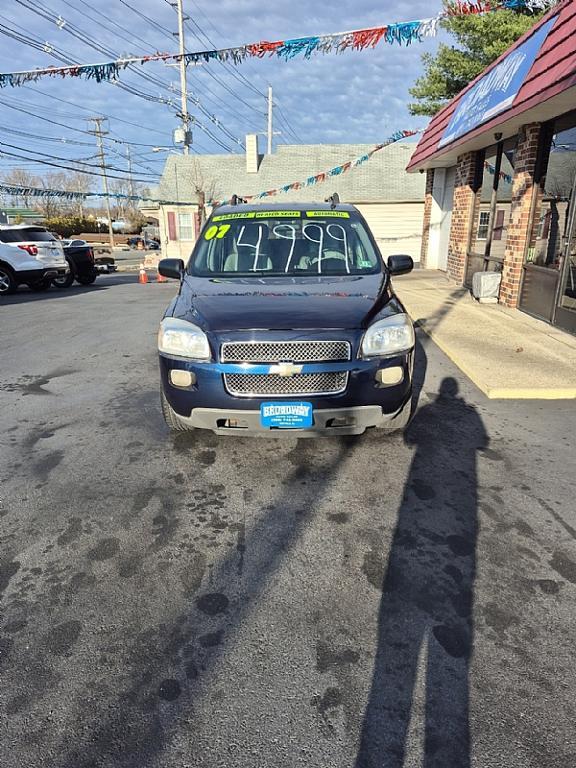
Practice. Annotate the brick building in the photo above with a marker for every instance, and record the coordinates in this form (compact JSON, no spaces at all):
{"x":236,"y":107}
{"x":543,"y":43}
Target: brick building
{"x":500,"y":164}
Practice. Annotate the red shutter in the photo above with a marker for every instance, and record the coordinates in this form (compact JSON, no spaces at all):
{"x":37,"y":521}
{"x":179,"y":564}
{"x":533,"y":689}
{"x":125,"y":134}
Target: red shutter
{"x":196,"y":225}
{"x":171,"y":226}
{"x":498,"y":225}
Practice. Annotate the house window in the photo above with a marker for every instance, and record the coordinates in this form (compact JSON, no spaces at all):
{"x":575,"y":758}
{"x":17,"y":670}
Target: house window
{"x":186,"y":226}
{"x":483,"y":225}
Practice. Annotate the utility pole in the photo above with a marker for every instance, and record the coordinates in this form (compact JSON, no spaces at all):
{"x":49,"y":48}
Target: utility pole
{"x":130,"y":180}
{"x":183,"y":86}
{"x":99,"y":133}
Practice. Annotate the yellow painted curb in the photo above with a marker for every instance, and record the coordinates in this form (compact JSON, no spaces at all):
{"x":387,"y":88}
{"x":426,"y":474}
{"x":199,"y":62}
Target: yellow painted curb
{"x":503,"y":393}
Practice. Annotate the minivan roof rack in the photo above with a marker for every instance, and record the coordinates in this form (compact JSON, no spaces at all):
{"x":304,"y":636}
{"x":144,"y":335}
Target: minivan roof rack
{"x":334,"y":200}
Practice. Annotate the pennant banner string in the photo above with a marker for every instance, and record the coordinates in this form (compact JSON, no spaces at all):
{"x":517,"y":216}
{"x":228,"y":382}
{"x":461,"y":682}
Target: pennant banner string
{"x":65,"y":194}
{"x":324,"y":176}
{"x":402,"y":33}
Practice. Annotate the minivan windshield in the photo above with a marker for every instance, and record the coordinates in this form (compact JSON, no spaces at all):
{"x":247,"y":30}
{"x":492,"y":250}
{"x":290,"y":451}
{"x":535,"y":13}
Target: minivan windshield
{"x":284,"y":243}
{"x":25,"y":235}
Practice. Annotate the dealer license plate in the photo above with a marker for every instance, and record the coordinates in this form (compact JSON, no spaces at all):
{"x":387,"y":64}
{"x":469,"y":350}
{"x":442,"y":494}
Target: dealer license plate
{"x":286,"y":415}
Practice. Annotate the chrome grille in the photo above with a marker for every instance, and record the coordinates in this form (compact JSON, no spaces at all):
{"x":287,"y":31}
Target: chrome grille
{"x":259,"y":385}
{"x":284,"y":351}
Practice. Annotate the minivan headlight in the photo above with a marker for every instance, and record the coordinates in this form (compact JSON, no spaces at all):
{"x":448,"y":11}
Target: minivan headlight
{"x":183,"y":339}
{"x":389,"y":336}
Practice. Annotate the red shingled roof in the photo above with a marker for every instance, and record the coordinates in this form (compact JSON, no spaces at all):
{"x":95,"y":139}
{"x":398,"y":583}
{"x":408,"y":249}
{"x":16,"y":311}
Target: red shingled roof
{"x":553,"y":71}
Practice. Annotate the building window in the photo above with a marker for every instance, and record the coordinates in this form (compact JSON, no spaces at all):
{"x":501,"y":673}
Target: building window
{"x":483,"y":225}
{"x":186,"y":226}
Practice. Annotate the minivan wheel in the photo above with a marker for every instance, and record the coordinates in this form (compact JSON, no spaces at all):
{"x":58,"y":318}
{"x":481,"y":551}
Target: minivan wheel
{"x":401,"y":420}
{"x":171,"y":417}
{"x":8,"y":283}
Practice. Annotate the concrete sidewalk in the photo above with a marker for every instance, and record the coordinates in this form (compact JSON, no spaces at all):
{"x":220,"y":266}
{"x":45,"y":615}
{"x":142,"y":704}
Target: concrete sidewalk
{"x":505,"y":352}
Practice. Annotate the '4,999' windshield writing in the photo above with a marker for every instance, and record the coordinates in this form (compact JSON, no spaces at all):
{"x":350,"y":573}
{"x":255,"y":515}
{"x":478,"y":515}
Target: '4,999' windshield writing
{"x":284,"y":245}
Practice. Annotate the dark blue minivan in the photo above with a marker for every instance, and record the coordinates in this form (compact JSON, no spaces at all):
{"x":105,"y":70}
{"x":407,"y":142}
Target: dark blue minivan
{"x":286,"y":323}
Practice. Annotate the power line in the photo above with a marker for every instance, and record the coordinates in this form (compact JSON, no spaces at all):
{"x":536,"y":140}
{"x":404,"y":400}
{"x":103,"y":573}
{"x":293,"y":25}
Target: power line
{"x":168,"y":34}
{"x":78,"y":33}
{"x":65,"y":159}
{"x":59,"y":165}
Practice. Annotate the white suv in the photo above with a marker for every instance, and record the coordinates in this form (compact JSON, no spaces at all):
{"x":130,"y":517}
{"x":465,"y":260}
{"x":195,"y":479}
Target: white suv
{"x":29,"y":254}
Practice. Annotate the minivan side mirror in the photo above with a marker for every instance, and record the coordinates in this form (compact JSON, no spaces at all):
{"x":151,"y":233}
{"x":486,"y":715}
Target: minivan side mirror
{"x":400,"y":264}
{"x":171,"y":268}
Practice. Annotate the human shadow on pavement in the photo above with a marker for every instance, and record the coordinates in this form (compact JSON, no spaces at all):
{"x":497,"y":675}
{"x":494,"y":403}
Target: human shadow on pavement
{"x":425,"y":629}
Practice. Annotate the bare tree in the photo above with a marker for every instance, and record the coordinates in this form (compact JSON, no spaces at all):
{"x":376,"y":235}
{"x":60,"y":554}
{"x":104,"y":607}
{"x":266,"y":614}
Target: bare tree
{"x":79,"y":182}
{"x":51,"y":205}
{"x":21,"y":178}
{"x":204,"y":188}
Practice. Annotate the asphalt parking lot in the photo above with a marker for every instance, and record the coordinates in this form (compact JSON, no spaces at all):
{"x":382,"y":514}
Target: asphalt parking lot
{"x":193,"y":600}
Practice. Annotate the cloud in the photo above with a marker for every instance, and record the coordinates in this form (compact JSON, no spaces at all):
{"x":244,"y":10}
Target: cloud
{"x":355,"y":97}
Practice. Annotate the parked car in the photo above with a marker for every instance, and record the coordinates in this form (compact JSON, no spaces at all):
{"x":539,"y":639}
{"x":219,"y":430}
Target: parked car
{"x":81,"y":264}
{"x":151,"y":245}
{"x":105,"y":264}
{"x":68,"y":243}
{"x":286,"y":322}
{"x":29,"y":255}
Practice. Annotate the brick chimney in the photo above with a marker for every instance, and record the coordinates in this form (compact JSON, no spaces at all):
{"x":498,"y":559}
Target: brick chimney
{"x":252,"y":157}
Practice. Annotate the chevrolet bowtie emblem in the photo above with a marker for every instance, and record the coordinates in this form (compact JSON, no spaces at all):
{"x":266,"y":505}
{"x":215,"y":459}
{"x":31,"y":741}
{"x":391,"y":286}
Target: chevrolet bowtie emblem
{"x":285,"y":369}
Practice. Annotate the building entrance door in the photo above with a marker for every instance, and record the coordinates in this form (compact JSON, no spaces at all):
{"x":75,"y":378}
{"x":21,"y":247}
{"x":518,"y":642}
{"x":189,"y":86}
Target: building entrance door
{"x":549,"y":280}
{"x":548,"y":288}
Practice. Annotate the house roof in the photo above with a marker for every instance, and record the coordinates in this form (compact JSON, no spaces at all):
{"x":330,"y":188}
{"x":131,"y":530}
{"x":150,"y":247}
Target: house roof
{"x":382,"y":179}
{"x":548,"y":90}
{"x":25,"y":213}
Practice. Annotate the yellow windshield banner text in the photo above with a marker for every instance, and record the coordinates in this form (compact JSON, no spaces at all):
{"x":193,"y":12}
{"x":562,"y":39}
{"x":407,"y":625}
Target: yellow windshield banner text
{"x":327,"y":214}
{"x":278,"y":214}
{"x":230,"y":216}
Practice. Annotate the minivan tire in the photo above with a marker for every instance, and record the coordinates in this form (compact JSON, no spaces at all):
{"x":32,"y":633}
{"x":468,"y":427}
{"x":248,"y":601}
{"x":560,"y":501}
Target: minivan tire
{"x":171,"y":417}
{"x":8,"y":282}
{"x":401,"y":420}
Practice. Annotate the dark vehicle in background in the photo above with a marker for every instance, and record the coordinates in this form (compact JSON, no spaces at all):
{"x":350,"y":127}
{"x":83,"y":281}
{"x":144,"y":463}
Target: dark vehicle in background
{"x":286,"y":323}
{"x":150,"y":245}
{"x":82,"y":268}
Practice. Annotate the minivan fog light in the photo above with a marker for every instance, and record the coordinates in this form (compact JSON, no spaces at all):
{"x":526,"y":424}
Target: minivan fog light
{"x":182,"y":378}
{"x":389,"y":377}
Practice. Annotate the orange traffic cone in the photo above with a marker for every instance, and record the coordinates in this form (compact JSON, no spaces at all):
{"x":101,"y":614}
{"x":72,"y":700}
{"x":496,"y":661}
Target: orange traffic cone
{"x":142,"y":277}
{"x":160,"y":278}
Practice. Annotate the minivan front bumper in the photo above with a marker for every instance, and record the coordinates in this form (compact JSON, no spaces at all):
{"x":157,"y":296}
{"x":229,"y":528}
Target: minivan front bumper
{"x":364,"y":403}
{"x":335,"y":421}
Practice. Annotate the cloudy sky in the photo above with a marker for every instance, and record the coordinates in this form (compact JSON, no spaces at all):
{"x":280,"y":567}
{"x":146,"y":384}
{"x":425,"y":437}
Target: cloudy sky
{"x":350,"y":98}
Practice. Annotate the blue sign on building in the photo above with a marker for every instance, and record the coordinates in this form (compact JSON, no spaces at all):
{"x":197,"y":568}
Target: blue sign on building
{"x":497,"y":90}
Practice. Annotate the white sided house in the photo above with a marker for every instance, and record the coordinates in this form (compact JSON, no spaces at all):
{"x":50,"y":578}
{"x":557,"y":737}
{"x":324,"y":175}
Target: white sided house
{"x":391,"y":200}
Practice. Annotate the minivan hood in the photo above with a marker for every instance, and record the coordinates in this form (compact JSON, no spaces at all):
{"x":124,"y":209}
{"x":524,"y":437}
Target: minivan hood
{"x":277,"y":303}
